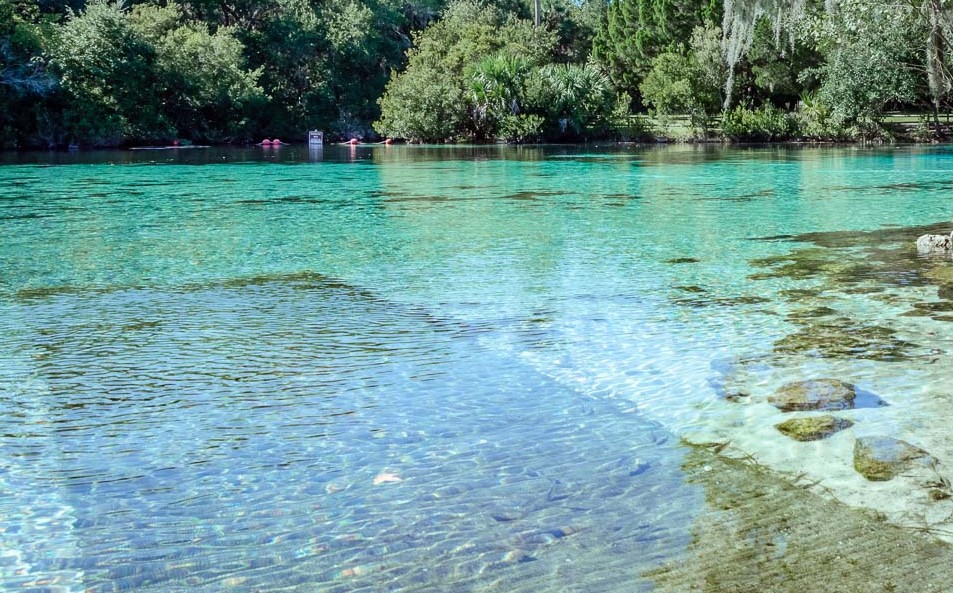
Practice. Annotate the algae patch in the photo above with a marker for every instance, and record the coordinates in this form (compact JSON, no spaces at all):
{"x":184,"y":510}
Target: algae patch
{"x":842,"y":338}
{"x":813,"y":428}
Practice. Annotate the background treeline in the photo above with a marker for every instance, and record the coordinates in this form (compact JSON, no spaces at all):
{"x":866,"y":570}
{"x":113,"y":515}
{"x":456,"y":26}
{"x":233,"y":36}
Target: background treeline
{"x":103,"y":73}
{"x":100,"y":73}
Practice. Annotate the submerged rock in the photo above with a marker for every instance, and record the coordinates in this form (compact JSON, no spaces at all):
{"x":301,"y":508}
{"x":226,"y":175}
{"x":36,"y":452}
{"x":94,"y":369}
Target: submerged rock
{"x":941,"y":274}
{"x":813,"y":428}
{"x":884,"y":458}
{"x":935,"y":243}
{"x":517,"y":556}
{"x":812,"y":313}
{"x":817,"y":394}
{"x":548,"y":536}
{"x":505,"y":516}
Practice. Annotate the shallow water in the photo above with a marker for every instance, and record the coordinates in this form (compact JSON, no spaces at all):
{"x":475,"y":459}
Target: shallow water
{"x":453,"y":369}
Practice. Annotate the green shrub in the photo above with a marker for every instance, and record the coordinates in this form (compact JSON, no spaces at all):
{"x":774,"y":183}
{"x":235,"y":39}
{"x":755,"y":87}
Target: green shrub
{"x":765,"y":124}
{"x":522,"y":128}
{"x":816,"y":121}
{"x":925,"y":131}
{"x":688,"y":81}
{"x":625,"y":126}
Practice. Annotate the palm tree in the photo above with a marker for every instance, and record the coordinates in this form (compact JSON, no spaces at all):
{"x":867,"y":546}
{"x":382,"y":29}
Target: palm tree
{"x":496,"y":84}
{"x":578,"y":91}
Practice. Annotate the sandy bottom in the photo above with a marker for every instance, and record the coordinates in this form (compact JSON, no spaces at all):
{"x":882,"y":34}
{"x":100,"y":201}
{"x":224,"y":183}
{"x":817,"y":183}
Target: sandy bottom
{"x":765,"y":533}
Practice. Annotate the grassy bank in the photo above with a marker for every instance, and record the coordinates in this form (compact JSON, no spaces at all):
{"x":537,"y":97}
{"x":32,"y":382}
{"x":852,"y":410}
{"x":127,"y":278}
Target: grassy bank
{"x":901,"y":127}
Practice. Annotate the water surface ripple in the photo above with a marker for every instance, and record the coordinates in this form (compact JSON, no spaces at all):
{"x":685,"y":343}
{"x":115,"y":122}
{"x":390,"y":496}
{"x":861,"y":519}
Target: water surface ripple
{"x":439,"y":369}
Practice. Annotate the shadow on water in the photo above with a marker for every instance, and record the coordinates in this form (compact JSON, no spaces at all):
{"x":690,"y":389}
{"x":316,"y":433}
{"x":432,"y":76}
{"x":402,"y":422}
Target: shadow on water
{"x":636,"y":154}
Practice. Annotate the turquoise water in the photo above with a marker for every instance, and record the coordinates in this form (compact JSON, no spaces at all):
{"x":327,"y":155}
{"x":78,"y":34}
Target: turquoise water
{"x":411,"y":368}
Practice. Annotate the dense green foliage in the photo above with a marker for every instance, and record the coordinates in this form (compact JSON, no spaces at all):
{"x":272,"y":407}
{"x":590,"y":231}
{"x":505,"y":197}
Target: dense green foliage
{"x":688,"y":80}
{"x":148,"y":75}
{"x":875,"y":55}
{"x":765,"y":124}
{"x":102,"y":73}
{"x":481,"y":73}
{"x":635,"y":32}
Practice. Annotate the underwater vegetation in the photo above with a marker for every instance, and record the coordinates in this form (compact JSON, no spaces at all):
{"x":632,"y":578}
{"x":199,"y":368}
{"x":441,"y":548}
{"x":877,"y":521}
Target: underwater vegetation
{"x":881,"y":265}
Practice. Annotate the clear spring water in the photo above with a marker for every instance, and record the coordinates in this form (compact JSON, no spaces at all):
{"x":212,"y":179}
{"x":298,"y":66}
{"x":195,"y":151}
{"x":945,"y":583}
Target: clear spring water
{"x":420,"y":369}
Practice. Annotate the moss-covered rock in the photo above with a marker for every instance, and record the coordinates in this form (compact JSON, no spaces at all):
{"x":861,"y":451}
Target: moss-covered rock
{"x":813,"y":428}
{"x":879,"y":458}
{"x":816,"y":394}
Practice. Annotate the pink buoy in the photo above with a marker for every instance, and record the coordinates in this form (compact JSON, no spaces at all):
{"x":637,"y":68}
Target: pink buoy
{"x":265,"y":142}
{"x":388,"y":141}
{"x":276,"y":142}
{"x":353,"y":141}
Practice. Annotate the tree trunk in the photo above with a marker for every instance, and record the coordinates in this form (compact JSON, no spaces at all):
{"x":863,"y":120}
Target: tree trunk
{"x":938,"y":75}
{"x":537,"y":12}
{"x":935,"y":105}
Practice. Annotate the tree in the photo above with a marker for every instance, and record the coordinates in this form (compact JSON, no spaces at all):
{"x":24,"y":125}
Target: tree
{"x":291,"y":50}
{"x":433,"y":99}
{"x":927,"y":25}
{"x":688,"y":81}
{"x":21,"y":72}
{"x":422,"y":108}
{"x":859,"y":79}
{"x":775,"y":70}
{"x":105,"y":67}
{"x":576,"y":99}
{"x":149,"y":75}
{"x":203,"y":86}
{"x":325,"y":64}
{"x":575,"y":23}
{"x":635,"y":32}
{"x":25,"y":80}
{"x":496,"y":87}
